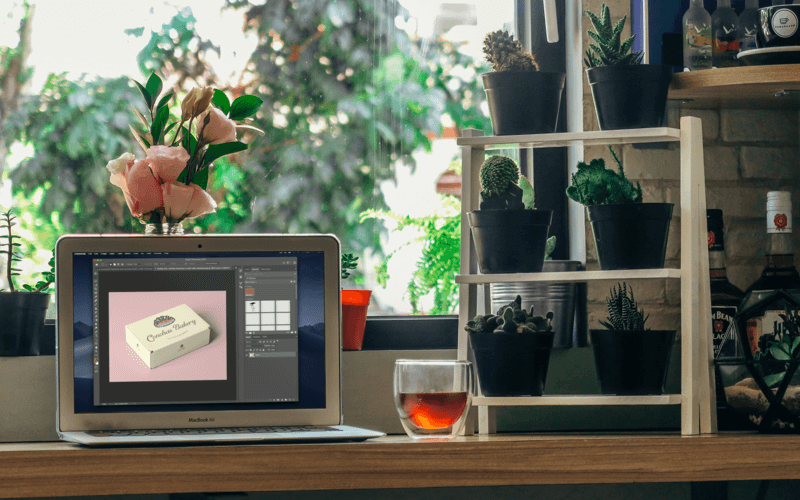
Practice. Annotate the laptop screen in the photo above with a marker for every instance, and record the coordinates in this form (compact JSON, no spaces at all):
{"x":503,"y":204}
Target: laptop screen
{"x":160,"y":331}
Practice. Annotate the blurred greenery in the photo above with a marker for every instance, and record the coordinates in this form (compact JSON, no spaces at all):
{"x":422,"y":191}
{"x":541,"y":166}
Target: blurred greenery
{"x":348,"y":97}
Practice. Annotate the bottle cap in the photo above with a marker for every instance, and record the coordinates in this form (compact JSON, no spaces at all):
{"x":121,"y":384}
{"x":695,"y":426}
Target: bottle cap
{"x":779,"y":212}
{"x":714,"y":225}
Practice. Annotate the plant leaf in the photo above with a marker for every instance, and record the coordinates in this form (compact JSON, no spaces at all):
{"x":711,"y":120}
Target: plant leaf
{"x":147,"y":97}
{"x":154,"y":87}
{"x":157,"y":128}
{"x":244,"y":106}
{"x":164,"y":100}
{"x":215,"y":151}
{"x":184,"y":176}
{"x":141,"y":117}
{"x":139,"y":139}
{"x":221,"y":101}
{"x":201,"y":177}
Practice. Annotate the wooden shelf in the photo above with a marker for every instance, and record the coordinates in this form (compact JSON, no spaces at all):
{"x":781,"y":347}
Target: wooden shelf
{"x":61,"y":469}
{"x":594,"y":138}
{"x":745,"y":86}
{"x":571,"y":276}
{"x":588,"y":400}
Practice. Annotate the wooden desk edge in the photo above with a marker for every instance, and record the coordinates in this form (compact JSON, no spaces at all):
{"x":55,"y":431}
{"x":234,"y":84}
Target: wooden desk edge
{"x":60,"y":469}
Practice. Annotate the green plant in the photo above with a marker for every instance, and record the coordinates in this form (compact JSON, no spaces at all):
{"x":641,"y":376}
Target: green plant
{"x":607,"y":49}
{"x":549,"y":246}
{"x":506,"y":54}
{"x":440,"y":261}
{"x":594,"y":184}
{"x":502,"y":187}
{"x":349,"y":262}
{"x":781,"y":345}
{"x":7,"y":221}
{"x":511,"y":318}
{"x":623,"y":312}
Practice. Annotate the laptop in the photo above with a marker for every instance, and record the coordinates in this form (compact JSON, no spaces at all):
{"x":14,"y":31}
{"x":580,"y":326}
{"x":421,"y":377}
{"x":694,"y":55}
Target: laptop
{"x":199,"y":338}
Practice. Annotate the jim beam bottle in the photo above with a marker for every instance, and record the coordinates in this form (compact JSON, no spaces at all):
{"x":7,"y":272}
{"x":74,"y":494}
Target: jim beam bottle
{"x":779,"y":273}
{"x":725,"y":296}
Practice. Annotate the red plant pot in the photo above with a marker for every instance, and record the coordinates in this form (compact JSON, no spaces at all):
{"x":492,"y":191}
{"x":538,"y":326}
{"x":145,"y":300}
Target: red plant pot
{"x":354,"y":318}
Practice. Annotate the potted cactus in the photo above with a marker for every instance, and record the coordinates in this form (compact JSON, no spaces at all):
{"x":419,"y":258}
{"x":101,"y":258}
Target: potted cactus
{"x":522,"y":99}
{"x":628,"y":234}
{"x":510,"y":234}
{"x":512,"y":350}
{"x":627,"y":94}
{"x":630,"y":359}
{"x":22,"y":308}
{"x":354,"y":308}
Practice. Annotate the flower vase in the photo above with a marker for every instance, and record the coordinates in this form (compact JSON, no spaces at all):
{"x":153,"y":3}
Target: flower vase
{"x":165,"y":229}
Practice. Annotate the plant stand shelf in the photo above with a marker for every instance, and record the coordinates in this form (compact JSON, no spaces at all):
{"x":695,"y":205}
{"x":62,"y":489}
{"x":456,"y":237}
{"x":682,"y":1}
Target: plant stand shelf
{"x":698,"y":411}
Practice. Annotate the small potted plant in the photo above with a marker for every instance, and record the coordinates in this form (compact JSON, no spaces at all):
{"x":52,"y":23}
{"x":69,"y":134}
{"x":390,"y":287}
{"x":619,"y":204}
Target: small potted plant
{"x":354,"y":308}
{"x":510,"y":234}
{"x":512,"y":350}
{"x":630,"y":359}
{"x":628,"y":234}
{"x":522,"y":99}
{"x":627,"y":94}
{"x":22,"y":308}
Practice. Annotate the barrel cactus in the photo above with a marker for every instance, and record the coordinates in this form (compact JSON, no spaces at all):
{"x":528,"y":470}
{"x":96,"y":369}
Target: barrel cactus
{"x":511,"y":318}
{"x":506,"y":54}
{"x":502,"y":187}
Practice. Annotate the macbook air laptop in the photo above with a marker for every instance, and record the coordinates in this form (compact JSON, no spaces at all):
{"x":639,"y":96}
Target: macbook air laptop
{"x":199,"y":338}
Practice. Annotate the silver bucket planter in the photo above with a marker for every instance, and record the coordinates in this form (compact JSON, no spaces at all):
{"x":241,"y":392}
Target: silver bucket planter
{"x":560,"y":298}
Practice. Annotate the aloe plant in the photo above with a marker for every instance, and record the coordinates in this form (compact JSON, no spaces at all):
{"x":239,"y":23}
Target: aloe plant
{"x":607,"y":49}
{"x":623,"y":312}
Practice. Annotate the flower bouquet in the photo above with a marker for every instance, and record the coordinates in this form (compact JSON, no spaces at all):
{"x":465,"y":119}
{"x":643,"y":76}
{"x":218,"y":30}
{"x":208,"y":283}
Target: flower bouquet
{"x":169,"y":185}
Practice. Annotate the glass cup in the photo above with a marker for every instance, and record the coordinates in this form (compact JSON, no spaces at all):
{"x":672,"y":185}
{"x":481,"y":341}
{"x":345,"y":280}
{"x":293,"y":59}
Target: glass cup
{"x":433,"y":396}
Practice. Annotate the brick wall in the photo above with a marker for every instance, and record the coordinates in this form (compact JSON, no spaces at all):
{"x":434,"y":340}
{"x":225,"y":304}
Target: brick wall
{"x":747,"y":152}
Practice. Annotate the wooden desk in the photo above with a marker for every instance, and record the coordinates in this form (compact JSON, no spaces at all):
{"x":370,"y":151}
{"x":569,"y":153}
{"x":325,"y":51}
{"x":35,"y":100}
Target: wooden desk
{"x":60,"y":469}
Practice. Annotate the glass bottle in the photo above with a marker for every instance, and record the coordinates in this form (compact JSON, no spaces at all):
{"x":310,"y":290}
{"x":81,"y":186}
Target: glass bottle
{"x":780,"y":272}
{"x":748,"y":25}
{"x":696,"y":37}
{"x":725,"y":296}
{"x":724,"y":36}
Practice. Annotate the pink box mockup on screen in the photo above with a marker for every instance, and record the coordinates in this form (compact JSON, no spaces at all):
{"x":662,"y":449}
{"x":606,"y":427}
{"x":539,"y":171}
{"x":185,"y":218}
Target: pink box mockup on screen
{"x":168,"y":335}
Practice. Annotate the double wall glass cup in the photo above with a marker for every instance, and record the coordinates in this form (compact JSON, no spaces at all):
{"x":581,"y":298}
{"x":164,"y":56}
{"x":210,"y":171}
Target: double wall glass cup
{"x":433,"y":397}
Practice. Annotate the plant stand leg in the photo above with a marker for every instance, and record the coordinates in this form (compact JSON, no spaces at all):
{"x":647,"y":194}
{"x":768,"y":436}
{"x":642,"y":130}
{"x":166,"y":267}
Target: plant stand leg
{"x":487,"y":419}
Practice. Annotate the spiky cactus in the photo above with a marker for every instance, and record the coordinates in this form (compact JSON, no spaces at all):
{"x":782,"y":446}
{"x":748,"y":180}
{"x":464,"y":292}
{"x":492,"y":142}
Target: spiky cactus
{"x":623,"y":312}
{"x":502,"y":187}
{"x":506,"y":54}
{"x":511,"y":318}
{"x":607,"y":49}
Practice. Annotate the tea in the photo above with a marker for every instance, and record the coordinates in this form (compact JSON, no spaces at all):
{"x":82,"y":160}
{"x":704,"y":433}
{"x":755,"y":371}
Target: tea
{"x":434,"y":410}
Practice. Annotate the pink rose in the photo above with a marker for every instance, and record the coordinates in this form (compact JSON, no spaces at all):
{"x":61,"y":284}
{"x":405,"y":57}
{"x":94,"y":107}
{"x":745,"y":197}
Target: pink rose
{"x":168,"y":161}
{"x":177,"y":197}
{"x":144,"y":191}
{"x":202,"y":203}
{"x":219,"y":130}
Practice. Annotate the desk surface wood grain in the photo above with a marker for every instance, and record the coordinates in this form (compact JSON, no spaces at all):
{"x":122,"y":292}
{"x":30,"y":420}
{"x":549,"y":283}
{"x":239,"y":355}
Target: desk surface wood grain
{"x":61,"y":469}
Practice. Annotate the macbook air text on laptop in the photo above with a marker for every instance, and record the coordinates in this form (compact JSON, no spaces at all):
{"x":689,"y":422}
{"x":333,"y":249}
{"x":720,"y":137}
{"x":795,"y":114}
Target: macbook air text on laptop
{"x":199,"y":338}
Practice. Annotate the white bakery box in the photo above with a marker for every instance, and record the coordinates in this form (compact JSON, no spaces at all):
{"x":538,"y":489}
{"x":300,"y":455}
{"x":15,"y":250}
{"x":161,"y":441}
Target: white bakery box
{"x":168,"y":335}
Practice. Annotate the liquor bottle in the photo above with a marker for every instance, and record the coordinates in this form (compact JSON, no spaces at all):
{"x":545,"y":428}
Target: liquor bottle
{"x":748,"y":25}
{"x":696,"y":37}
{"x":725,"y":296}
{"x":780,"y":272}
{"x":724,"y":36}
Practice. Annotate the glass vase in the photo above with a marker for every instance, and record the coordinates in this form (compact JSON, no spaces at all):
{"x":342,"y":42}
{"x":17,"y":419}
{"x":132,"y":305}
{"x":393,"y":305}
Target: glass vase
{"x":165,"y":229}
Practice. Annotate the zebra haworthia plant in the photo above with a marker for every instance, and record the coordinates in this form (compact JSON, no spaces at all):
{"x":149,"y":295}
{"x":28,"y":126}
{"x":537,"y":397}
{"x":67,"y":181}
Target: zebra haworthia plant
{"x":623,"y":312}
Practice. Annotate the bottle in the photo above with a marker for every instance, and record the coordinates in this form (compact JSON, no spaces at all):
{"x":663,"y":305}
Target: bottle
{"x":748,"y":25}
{"x":725,"y":296}
{"x":696,"y":37}
{"x":780,"y":272}
{"x":724,"y":36}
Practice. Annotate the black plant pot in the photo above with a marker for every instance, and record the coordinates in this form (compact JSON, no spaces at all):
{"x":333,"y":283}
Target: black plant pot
{"x":630,"y":235}
{"x":524,"y":102}
{"x":510,"y":241}
{"x":22,"y":326}
{"x":630,"y":96}
{"x":512,"y":364}
{"x":632,"y":363}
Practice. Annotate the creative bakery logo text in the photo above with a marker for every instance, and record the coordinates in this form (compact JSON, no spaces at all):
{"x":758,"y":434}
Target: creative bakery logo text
{"x":163,"y":321}
{"x":784,"y":23}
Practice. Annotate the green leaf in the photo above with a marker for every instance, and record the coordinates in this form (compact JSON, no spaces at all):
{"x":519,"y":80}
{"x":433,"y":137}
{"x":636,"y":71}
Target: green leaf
{"x":778,"y":353}
{"x":188,"y":141}
{"x":154,"y":87}
{"x":244,"y":106}
{"x":215,"y":151}
{"x":773,"y":380}
{"x":201,"y":177}
{"x":221,"y":101}
{"x":527,"y":192}
{"x":164,"y":100}
{"x":184,"y":176}
{"x":147,"y":97}
{"x":157,"y":128}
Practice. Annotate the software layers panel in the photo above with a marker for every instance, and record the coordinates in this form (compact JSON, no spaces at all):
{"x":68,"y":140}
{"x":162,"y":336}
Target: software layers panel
{"x":168,"y":335}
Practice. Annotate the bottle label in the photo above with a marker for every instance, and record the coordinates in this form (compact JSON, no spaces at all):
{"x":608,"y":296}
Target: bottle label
{"x":784,"y":23}
{"x":768,"y":324}
{"x":779,"y":221}
{"x":724,"y":330}
{"x":696,"y":45}
{"x":715,"y":240}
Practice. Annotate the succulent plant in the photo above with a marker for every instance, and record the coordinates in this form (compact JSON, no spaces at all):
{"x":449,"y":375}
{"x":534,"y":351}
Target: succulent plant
{"x":502,"y":187}
{"x":13,"y":256}
{"x":594,"y":184}
{"x":607,"y":49}
{"x":511,"y":318}
{"x":506,"y":54}
{"x":623,"y":312}
{"x":349,"y":261}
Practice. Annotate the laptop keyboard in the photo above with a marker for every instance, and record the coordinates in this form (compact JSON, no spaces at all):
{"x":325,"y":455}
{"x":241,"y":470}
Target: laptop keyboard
{"x":216,"y":430}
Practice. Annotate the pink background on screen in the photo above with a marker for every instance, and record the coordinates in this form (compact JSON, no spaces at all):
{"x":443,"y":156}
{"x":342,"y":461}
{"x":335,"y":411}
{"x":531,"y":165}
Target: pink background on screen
{"x":206,"y":363}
